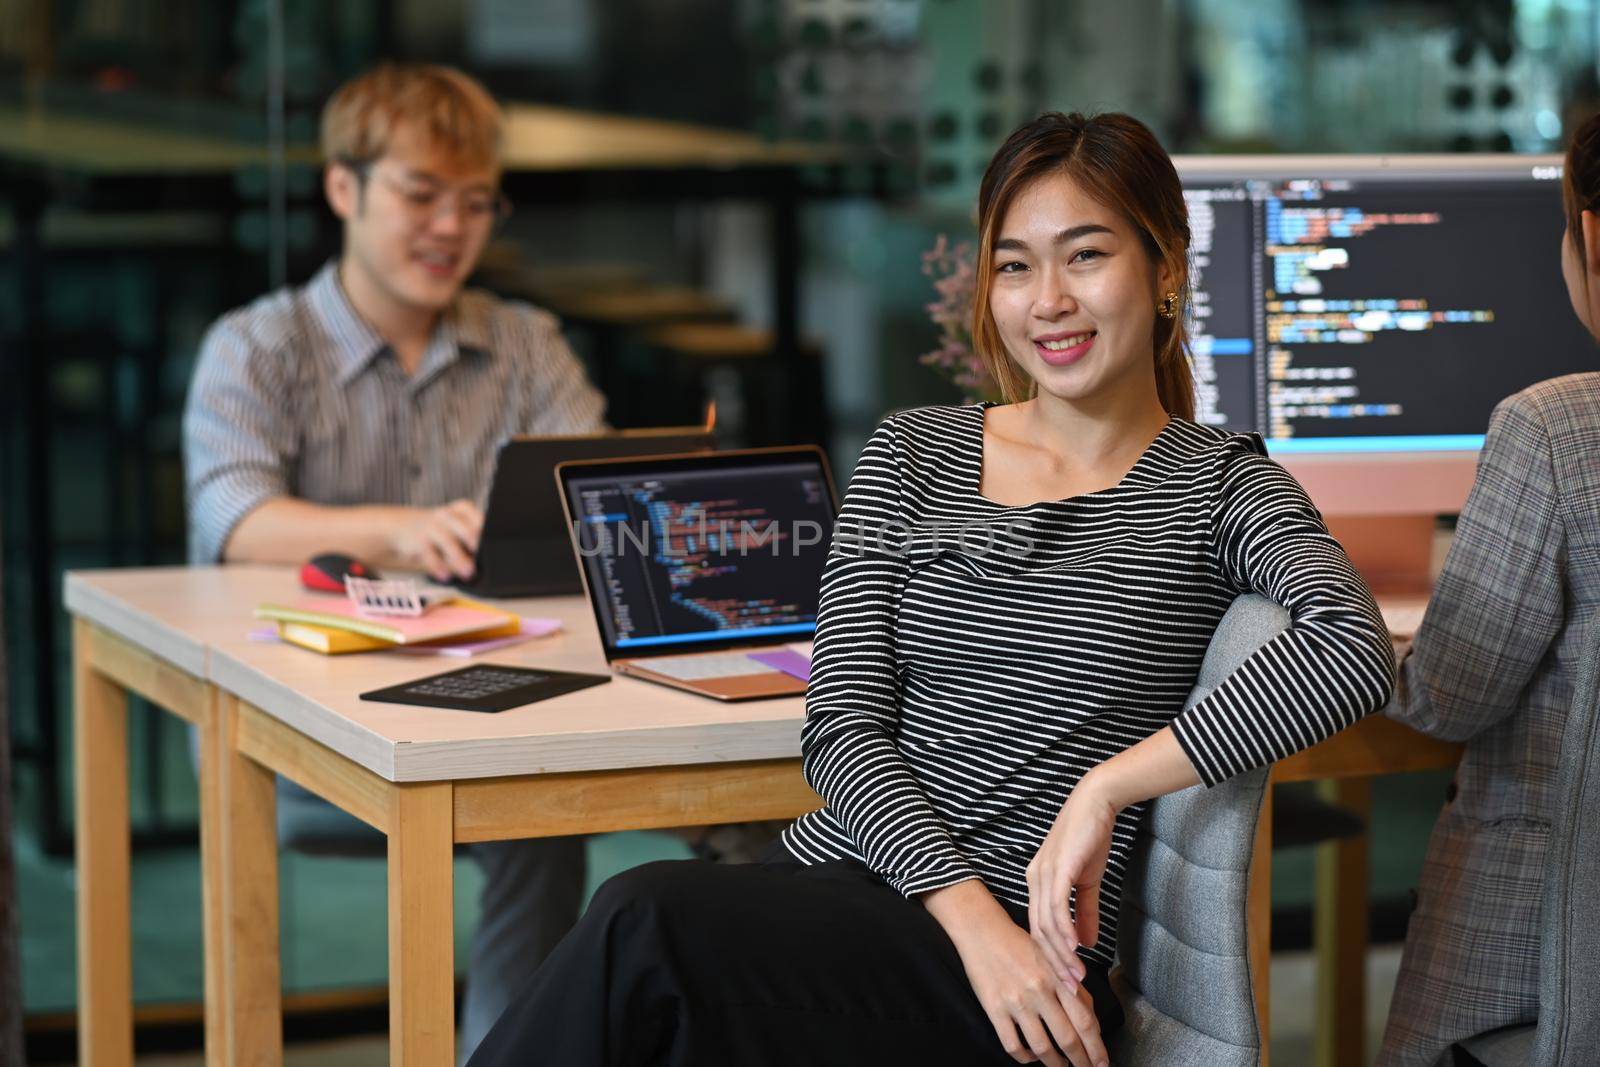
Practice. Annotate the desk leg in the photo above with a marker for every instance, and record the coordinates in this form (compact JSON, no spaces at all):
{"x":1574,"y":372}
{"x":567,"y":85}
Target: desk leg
{"x":213,"y":917}
{"x":1341,"y":933}
{"x":100,"y":791}
{"x":1259,"y":919}
{"x":422,"y":1028}
{"x":251,"y":978}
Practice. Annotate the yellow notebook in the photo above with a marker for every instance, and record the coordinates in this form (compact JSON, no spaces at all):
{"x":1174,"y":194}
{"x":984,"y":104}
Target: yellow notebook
{"x":328,"y":641}
{"x":335,"y":642}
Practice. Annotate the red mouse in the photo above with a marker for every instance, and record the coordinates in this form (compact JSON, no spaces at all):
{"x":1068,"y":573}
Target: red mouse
{"x":325,"y":573}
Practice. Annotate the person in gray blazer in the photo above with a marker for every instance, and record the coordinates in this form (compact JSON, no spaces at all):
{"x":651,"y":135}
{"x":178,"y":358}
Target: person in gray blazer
{"x":1492,"y":666}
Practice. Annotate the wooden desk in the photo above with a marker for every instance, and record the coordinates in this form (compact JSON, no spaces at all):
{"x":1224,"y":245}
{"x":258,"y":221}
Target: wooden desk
{"x":1345,"y":765}
{"x":625,"y":755}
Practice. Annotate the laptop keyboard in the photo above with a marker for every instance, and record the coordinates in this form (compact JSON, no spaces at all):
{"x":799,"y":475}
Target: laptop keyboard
{"x":700,"y":667}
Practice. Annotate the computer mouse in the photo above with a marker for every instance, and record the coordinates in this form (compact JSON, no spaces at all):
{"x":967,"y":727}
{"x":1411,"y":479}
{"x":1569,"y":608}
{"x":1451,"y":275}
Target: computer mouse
{"x":325,"y":573}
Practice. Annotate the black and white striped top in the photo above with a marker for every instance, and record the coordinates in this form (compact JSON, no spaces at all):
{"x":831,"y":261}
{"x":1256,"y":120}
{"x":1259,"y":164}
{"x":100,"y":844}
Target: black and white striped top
{"x":973,"y":661}
{"x":295,"y":395}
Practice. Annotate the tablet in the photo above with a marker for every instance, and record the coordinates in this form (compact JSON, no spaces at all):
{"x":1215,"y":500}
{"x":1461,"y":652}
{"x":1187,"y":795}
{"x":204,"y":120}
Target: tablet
{"x":525,"y":549}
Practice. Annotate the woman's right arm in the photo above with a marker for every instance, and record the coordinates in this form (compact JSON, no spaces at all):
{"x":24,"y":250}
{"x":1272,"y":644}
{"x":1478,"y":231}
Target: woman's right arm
{"x":1499,"y":601}
{"x":848,"y":746}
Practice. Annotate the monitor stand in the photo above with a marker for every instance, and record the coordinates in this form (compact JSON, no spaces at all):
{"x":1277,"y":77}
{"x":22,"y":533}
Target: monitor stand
{"x":1394,"y":553}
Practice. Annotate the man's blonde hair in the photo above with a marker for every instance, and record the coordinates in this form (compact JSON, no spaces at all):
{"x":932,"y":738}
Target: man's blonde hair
{"x":450,"y":111}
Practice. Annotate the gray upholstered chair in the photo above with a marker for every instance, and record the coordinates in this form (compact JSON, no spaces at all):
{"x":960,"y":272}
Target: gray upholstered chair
{"x":1568,"y":1031}
{"x":1183,"y":959}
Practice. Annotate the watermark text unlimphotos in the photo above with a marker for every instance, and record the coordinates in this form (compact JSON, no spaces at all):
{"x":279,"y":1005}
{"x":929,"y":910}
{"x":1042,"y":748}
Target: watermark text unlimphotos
{"x":696,"y":534}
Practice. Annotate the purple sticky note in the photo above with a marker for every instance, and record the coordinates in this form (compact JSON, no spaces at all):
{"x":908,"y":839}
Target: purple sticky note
{"x":786,"y":660}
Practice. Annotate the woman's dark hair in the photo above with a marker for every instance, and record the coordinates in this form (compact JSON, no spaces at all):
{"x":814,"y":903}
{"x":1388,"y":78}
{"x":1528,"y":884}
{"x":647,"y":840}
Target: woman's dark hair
{"x":1116,"y":160}
{"x":1580,"y":185}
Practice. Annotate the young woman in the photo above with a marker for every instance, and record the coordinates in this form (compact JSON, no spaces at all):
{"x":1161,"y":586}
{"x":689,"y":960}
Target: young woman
{"x":1493,"y":665}
{"x":1015,"y":607}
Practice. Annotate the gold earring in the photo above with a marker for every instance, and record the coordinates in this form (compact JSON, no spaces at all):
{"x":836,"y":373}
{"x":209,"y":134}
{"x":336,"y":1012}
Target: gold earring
{"x":1168,"y":308}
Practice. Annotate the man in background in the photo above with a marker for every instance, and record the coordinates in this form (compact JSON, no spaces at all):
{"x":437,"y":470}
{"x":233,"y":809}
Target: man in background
{"x":361,"y":412}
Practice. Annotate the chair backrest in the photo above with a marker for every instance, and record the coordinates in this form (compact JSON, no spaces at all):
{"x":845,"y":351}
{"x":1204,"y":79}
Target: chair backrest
{"x":1182,"y":946}
{"x":1568,"y":1033}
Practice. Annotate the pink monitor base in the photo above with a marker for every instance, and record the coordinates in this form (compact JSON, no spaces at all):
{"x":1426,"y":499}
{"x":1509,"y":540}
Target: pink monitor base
{"x":1382,"y":506}
{"x":1374,"y":484}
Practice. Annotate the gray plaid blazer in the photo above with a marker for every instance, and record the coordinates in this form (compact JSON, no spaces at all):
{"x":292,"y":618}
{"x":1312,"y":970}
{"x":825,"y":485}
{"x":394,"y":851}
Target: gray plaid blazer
{"x":1493,"y":666}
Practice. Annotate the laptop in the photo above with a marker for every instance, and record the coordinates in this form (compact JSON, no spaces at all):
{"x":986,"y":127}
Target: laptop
{"x":692,"y":562}
{"x":524,"y":549}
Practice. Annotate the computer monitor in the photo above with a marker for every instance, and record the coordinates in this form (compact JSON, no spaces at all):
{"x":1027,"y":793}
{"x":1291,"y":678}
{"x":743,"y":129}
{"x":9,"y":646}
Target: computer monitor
{"x":1366,"y":313}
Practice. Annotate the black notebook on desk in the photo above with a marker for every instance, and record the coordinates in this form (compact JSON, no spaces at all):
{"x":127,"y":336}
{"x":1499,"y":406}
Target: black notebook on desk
{"x":485,"y":687}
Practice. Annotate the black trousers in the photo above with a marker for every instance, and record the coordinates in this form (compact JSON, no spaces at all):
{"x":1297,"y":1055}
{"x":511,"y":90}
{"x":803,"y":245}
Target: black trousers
{"x":754,"y":965}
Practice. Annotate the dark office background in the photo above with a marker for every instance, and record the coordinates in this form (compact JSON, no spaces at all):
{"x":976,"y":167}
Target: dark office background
{"x":108,"y":280}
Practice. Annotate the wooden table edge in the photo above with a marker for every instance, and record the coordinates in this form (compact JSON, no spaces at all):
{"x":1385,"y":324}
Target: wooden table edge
{"x":82,"y":600}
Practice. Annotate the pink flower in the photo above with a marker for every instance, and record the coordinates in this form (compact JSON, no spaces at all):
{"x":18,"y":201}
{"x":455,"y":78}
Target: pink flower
{"x":954,"y":274}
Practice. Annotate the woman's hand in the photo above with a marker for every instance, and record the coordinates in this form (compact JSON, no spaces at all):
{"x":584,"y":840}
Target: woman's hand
{"x":1072,"y":858}
{"x":1038,"y":1017}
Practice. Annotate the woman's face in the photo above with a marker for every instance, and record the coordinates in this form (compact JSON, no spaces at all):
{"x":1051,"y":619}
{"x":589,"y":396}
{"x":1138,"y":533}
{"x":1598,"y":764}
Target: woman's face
{"x":1584,"y":298}
{"x":1074,"y":294}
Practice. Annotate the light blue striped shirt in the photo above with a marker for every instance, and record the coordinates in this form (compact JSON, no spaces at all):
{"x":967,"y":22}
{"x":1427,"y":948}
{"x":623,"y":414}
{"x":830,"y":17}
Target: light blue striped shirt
{"x":296,"y":396}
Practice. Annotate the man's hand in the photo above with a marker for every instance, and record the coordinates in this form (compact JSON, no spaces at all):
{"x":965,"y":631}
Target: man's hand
{"x":440,"y":541}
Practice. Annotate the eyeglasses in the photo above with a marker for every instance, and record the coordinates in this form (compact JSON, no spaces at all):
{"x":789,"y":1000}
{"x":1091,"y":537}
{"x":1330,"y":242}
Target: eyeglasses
{"x":426,"y":201}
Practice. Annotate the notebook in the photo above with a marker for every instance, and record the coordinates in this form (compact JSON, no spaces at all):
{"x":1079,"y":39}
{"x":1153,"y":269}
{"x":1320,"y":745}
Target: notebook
{"x":486,"y":687}
{"x":455,"y":619}
{"x":327,"y":640}
{"x":331,"y":641}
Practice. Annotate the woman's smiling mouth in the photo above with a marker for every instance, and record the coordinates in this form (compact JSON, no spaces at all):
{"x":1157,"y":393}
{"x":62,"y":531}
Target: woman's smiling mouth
{"x":1060,"y":349}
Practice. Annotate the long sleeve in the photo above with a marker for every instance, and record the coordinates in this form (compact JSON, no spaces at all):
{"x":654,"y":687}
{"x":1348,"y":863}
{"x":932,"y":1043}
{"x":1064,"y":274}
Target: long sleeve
{"x":1332,"y":665}
{"x":559,"y":397}
{"x":850,"y":755}
{"x":237,"y":438}
{"x":1498,"y":603}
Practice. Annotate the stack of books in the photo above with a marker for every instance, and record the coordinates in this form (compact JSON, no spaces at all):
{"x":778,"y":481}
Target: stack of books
{"x":334,"y":626}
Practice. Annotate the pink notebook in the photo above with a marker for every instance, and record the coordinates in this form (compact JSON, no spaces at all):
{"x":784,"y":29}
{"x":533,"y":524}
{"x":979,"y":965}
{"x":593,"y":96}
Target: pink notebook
{"x":454,"y":619}
{"x":531,"y":628}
